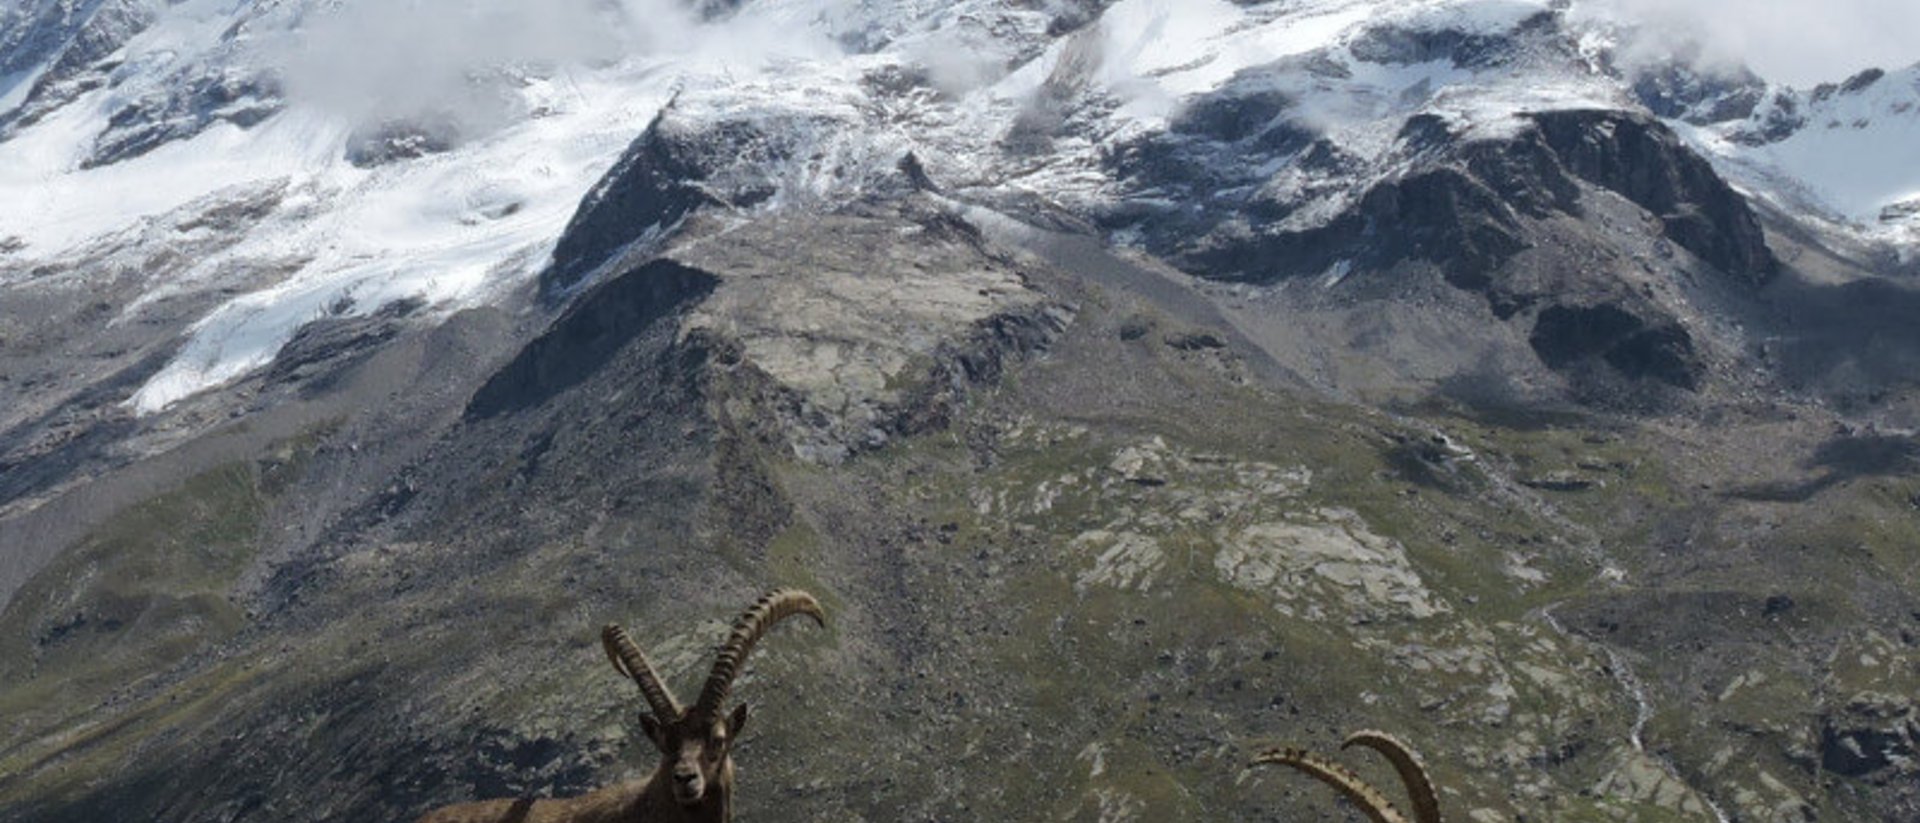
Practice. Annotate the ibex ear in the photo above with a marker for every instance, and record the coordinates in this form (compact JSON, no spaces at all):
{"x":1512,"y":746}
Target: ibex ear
{"x":737,"y":721}
{"x":651,"y":725}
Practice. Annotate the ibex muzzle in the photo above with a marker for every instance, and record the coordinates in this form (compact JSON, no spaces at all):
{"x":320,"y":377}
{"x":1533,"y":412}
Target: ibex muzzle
{"x":697,"y":751}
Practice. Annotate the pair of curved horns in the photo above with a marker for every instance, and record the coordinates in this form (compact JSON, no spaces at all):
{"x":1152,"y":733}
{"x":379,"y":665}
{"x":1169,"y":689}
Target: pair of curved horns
{"x":770,"y":609}
{"x":1413,"y":774}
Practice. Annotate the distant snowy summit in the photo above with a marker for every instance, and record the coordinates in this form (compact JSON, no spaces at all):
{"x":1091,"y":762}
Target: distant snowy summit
{"x":326,"y":159}
{"x":1849,"y":150}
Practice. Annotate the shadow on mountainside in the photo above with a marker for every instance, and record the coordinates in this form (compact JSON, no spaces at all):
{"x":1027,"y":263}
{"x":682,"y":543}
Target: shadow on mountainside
{"x":1839,"y":460}
{"x":1849,"y":342}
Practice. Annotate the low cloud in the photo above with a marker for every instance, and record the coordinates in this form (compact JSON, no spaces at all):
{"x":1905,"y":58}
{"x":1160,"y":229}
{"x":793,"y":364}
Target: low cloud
{"x":370,"y":59}
{"x":1797,"y":42}
{"x":375,"y":60}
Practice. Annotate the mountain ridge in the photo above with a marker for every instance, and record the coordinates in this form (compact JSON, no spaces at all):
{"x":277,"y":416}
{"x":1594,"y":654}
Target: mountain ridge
{"x":1137,"y":384}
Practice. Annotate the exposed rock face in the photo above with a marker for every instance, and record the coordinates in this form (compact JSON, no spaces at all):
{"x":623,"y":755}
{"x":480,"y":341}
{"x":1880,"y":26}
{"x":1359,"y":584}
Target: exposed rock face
{"x":1564,"y":336}
{"x":874,"y":330}
{"x":184,"y":109}
{"x":867,"y":331}
{"x":1641,"y":160}
{"x":1869,"y":730}
{"x":653,"y":186}
{"x":1680,"y":89}
{"x":594,"y":328}
{"x":1317,"y":563}
{"x":1393,"y":44}
{"x":1874,"y":734}
{"x":1507,"y":218}
{"x":1469,"y":204}
{"x":682,"y":162}
{"x":396,"y":140}
{"x":1330,"y":552}
{"x":170,"y":97}
{"x":320,"y":348}
{"x":71,"y":37}
{"x":1779,"y":117}
{"x":1642,"y":779}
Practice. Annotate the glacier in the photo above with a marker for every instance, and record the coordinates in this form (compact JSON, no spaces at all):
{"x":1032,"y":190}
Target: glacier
{"x":463,"y":224}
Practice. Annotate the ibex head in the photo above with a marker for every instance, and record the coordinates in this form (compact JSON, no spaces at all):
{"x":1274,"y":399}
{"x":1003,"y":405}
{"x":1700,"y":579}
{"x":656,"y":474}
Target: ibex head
{"x":695,"y":742}
{"x":696,"y":749}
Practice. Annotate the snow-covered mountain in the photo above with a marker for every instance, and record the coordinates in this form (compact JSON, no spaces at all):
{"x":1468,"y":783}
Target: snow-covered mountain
{"x":1135,"y":379}
{"x":407,"y":164}
{"x":1840,"y":151}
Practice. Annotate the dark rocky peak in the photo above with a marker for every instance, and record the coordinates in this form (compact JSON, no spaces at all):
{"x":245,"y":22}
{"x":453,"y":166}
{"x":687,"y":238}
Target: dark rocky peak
{"x":1489,"y":183}
{"x":1644,"y":161}
{"x":1779,"y":116}
{"x":1675,"y":77}
{"x":1681,"y":89}
{"x":1529,"y":219}
{"x":723,"y":154}
{"x":1426,"y":131}
{"x":1458,"y":203}
{"x":1862,"y":80}
{"x":1852,"y":85}
{"x":670,"y":170}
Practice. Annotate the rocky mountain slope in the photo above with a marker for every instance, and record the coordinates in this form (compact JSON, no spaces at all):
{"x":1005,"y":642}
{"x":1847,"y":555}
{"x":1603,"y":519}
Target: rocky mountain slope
{"x":1138,"y":383}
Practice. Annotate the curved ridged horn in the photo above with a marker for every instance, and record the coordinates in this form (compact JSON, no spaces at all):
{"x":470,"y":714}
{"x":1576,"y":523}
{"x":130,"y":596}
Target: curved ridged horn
{"x":771,"y":608}
{"x":628,"y":660}
{"x":1413,"y":773}
{"x":1376,"y":806}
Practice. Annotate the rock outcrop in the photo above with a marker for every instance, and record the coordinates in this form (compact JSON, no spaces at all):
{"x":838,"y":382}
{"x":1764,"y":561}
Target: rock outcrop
{"x":868,"y":329}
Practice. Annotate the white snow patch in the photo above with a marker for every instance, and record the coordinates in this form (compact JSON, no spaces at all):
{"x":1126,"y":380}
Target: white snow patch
{"x":459,"y":228}
{"x":1473,"y":16}
{"x":451,"y":230}
{"x":1854,"y":165}
{"x":53,"y":205}
{"x":1859,"y":153}
{"x":1336,"y":273}
{"x":1158,"y":51}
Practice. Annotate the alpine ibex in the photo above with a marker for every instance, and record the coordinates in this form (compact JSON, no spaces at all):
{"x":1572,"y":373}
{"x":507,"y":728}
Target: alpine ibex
{"x":694,"y":782}
{"x":1413,"y":773}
